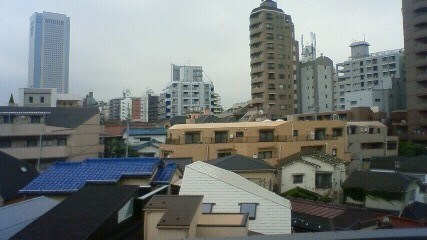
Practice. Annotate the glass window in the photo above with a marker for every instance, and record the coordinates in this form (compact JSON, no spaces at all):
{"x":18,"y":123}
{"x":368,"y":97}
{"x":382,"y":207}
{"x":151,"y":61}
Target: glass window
{"x":337,"y":132}
{"x":295,"y":133}
{"x":239,"y":134}
{"x":221,"y":137}
{"x":250,"y":209}
{"x":62,"y":142}
{"x":223,"y":154}
{"x":323,"y":180}
{"x":35,"y":119}
{"x":192,"y":137}
{"x":266,"y":135}
{"x":30,"y":99}
{"x":265,"y":154}
{"x":299,"y":178}
{"x":31,"y":142}
{"x":207,"y":207}
{"x":6,"y":143}
{"x":42,"y":99}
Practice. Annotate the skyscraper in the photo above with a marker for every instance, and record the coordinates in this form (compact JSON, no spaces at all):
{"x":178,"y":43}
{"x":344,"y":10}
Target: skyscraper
{"x":274,"y":59}
{"x":415,"y":35}
{"x":49,"y":51}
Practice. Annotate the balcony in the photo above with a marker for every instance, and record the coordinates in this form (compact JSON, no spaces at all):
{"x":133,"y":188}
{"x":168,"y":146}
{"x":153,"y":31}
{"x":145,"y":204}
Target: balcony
{"x":421,"y":63}
{"x":258,"y":90}
{"x":422,"y":48}
{"x":422,"y":77}
{"x":34,"y":152}
{"x":420,"y":34}
{"x":257,"y":100}
{"x":419,"y":5}
{"x":420,"y":20}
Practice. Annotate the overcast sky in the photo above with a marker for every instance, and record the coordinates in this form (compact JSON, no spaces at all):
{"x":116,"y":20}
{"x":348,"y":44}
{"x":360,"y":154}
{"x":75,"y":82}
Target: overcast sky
{"x":119,"y":44}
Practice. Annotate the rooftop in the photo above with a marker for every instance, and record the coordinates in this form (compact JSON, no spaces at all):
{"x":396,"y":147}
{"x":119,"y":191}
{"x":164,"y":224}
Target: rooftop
{"x":379,"y":181}
{"x":147,"y":131}
{"x":405,"y":164}
{"x":301,"y":156}
{"x":228,"y":125}
{"x":238,"y":162}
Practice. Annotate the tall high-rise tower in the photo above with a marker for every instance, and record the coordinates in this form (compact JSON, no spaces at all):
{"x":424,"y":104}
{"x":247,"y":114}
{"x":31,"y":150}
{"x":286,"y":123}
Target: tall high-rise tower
{"x":274,"y":59}
{"x":49,"y":51}
{"x":415,"y":35}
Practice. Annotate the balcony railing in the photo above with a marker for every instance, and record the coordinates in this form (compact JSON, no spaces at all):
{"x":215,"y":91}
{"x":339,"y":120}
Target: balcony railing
{"x":280,"y":138}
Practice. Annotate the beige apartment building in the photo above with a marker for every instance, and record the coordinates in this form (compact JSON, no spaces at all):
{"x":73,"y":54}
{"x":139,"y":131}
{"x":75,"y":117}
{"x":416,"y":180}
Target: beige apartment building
{"x":43,"y":135}
{"x":415,"y":35}
{"x":265,"y":140}
{"x":274,"y":60}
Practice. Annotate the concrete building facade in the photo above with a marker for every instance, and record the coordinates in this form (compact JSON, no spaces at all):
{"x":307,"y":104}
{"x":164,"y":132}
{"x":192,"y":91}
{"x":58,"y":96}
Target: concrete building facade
{"x":274,"y":60}
{"x":415,"y":35}
{"x":187,"y":92}
{"x":48,"y":65}
{"x":316,"y":85}
{"x":379,"y":77}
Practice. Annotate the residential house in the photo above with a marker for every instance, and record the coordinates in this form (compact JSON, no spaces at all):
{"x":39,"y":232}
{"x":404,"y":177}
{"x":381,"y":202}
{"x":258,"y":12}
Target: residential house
{"x":412,"y":166}
{"x":138,"y":136}
{"x":253,"y":169}
{"x":64,"y":178}
{"x":43,"y":135}
{"x":225,"y":191}
{"x":381,"y":190}
{"x":265,"y":140}
{"x":14,"y":175}
{"x":172,"y":217}
{"x":314,"y":171}
{"x":93,"y":212}
{"x":15,"y":217}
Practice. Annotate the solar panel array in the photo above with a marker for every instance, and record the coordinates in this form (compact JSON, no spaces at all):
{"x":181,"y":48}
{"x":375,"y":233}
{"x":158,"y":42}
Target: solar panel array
{"x":165,"y":174}
{"x":66,"y":177}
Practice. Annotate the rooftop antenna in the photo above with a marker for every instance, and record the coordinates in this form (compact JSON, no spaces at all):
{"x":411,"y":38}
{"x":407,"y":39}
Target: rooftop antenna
{"x":364,"y":37}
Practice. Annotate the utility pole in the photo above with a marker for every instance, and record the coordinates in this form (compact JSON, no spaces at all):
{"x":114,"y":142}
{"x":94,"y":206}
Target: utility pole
{"x":127,"y":134}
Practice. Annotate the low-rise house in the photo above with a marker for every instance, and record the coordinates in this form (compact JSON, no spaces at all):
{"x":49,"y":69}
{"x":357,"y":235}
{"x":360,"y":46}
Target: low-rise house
{"x":225,"y":191}
{"x":94,"y":212}
{"x":138,"y":136}
{"x":315,"y":216}
{"x":15,"y":217}
{"x":14,"y":175}
{"x":253,"y":169}
{"x":381,"y":190}
{"x":173,"y":217}
{"x":412,"y":166}
{"x":314,"y":171}
{"x":63,"y":178}
{"x":43,"y":135}
{"x":148,"y":149}
{"x":265,"y":140}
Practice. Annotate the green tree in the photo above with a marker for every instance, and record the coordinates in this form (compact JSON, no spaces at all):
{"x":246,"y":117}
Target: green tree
{"x":117,"y":148}
{"x":11,"y":100}
{"x":411,"y":149}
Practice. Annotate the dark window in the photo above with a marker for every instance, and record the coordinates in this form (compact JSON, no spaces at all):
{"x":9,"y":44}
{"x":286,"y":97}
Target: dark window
{"x":42,"y":99}
{"x":30,"y":99}
{"x":63,"y":142}
{"x":391,"y":145}
{"x":266,"y":135}
{"x":31,"y":142}
{"x":250,"y":209}
{"x":323,"y":180}
{"x":192,"y":137}
{"x":239,"y":134}
{"x":35,"y":119}
{"x":223,"y":154}
{"x":298,"y":178}
{"x":320,"y":134}
{"x":6,"y":143}
{"x":265,"y":154}
{"x":207,"y":207}
{"x":221,"y":137}
{"x":295,"y":133}
{"x":8,"y":119}
{"x":337,"y":132}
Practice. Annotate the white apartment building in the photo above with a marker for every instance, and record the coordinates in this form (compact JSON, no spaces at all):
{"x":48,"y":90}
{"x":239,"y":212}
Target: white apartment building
{"x":187,"y":92}
{"x":121,"y":108}
{"x":368,"y":80}
{"x":48,"y":65}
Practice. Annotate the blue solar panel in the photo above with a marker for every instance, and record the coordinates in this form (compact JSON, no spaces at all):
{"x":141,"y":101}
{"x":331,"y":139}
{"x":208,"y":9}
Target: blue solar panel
{"x":165,"y":174}
{"x":69,"y":177}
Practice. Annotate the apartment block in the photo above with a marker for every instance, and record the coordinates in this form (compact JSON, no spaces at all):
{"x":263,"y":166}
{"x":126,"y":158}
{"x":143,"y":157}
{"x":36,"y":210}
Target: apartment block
{"x":43,"y":135}
{"x":126,"y":107}
{"x":265,"y":140}
{"x":368,"y":80}
{"x":415,"y":36}
{"x":149,"y":106}
{"x":274,"y":60}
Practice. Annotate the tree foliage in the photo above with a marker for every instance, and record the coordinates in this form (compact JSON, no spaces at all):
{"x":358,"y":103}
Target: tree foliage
{"x":411,"y":149}
{"x":11,"y":100}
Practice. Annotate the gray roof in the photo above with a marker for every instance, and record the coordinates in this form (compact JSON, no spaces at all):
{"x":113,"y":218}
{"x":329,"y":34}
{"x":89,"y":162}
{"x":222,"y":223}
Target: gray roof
{"x":379,"y":181}
{"x":15,"y":217}
{"x":59,"y":117}
{"x":14,"y":175}
{"x":180,"y":209}
{"x":333,"y":160}
{"x":406,"y":164}
{"x":207,"y":119}
{"x":241,"y":163}
{"x":181,"y":162}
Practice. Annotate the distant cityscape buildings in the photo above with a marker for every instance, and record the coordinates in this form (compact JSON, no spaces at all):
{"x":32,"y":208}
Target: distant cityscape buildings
{"x":48,"y":65}
{"x":274,"y":60}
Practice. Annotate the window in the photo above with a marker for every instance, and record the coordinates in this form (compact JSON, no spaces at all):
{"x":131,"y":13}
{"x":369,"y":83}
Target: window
{"x":270,"y":45}
{"x":377,"y":100}
{"x":270,"y":36}
{"x":320,"y":134}
{"x":239,"y":134}
{"x":62,"y":142}
{"x":299,"y":178}
{"x":280,"y":37}
{"x":266,"y":135}
{"x":353,"y":102}
{"x":250,"y":209}
{"x":207,"y":207}
{"x":223,"y":154}
{"x":269,"y":16}
{"x":295,"y":133}
{"x":269,"y":26}
{"x":42,"y":99}
{"x":221,"y":137}
{"x":323,"y":180}
{"x":192,"y":137}
{"x":35,"y":119}
{"x":271,"y":76}
{"x":265,"y":154}
{"x":30,"y":99}
{"x":5,"y":143}
{"x":337,"y":132}
{"x":271,"y":66}
{"x":125,"y":212}
{"x":412,"y":195}
{"x":31,"y":142}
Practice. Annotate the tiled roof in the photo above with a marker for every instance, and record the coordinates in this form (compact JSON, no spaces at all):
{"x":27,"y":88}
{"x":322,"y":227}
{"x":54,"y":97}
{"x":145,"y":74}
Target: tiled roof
{"x":237,"y":181}
{"x":241,"y":163}
{"x":151,"y":143}
{"x":382,"y":181}
{"x":15,"y":217}
{"x":182,"y":162}
{"x":180,"y":210}
{"x":147,"y":131}
{"x":207,"y":119}
{"x":67,"y":177}
{"x":321,"y":156}
{"x":14,"y":175}
{"x":164,"y":174}
{"x":81,"y":215}
{"x":405,"y":164}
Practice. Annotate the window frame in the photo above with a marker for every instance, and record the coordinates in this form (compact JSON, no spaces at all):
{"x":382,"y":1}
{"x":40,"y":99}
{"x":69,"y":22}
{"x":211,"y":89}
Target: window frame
{"x":209,"y":205}
{"x":296,"y":177}
{"x":190,"y":137}
{"x":250,"y":215}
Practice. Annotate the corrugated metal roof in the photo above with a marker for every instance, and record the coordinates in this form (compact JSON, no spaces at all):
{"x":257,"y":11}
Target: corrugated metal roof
{"x":15,"y":217}
{"x":235,"y":180}
{"x":67,"y":177}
